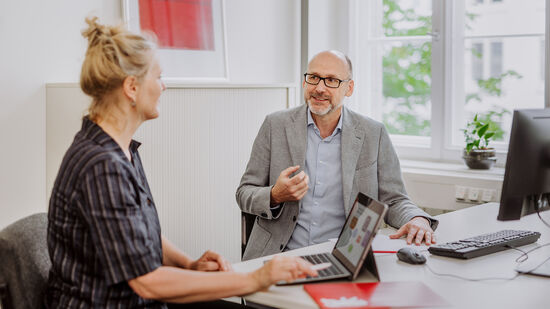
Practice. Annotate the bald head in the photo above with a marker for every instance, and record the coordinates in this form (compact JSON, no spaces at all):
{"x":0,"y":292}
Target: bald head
{"x":332,"y":55}
{"x":326,"y":100}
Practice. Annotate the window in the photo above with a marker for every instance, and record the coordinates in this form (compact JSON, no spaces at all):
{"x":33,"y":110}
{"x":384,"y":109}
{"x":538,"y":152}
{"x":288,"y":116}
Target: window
{"x":424,"y":68}
{"x":477,"y":61}
{"x":496,"y":59}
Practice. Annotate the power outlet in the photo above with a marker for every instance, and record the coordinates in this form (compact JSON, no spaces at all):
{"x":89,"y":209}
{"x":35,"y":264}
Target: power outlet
{"x":473,"y":194}
{"x":487,"y":195}
{"x":460,"y":193}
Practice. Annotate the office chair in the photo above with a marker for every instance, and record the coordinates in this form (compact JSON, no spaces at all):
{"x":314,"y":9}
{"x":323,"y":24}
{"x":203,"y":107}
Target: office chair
{"x":24,"y":262}
{"x":247,"y":222}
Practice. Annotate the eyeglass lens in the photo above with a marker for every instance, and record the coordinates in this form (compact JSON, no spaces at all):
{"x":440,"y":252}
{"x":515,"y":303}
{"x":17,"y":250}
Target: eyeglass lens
{"x":329,"y":81}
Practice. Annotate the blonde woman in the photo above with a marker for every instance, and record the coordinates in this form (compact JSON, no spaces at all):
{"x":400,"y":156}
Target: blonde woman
{"x":104,"y":237}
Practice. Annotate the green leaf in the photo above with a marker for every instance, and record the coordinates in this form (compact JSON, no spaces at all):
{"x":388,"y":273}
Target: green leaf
{"x":482,"y":130}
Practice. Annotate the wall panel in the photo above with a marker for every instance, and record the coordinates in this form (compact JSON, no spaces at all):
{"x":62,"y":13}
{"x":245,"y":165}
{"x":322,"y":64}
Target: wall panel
{"x":194,"y":156}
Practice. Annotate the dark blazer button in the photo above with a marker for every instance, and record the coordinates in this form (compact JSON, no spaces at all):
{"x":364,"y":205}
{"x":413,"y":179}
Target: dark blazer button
{"x":281,"y":247}
{"x":294,"y":218}
{"x":264,"y":215}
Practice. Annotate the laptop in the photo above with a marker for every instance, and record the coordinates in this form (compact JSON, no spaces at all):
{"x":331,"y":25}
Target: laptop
{"x":353,"y":247}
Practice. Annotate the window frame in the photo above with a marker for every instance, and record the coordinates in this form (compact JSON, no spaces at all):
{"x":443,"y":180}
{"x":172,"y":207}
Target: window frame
{"x":445,"y":68}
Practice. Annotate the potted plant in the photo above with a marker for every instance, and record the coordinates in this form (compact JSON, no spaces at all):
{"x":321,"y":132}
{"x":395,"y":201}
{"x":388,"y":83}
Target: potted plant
{"x":477,"y":154}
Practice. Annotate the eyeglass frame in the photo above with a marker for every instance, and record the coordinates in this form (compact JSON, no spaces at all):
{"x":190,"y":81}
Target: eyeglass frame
{"x":340,"y":81}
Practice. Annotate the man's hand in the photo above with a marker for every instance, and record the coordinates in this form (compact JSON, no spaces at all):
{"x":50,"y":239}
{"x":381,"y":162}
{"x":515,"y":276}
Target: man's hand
{"x":288,"y":189}
{"x":418,"y":229}
{"x":211,"y":261}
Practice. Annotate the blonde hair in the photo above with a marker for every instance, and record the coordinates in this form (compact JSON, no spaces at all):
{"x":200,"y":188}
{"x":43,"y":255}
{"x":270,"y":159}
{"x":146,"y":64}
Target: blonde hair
{"x":113,"y":54}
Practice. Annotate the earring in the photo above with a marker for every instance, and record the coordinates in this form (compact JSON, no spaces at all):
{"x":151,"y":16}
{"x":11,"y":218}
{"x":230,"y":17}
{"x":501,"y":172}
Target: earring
{"x":133,"y":103}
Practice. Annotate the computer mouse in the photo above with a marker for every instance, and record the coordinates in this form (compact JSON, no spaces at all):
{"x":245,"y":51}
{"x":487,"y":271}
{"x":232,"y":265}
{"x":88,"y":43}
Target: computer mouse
{"x":411,"y":256}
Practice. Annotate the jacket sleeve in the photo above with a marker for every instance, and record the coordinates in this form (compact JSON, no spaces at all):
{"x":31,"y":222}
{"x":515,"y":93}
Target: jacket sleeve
{"x":391,"y":189}
{"x":254,"y":192}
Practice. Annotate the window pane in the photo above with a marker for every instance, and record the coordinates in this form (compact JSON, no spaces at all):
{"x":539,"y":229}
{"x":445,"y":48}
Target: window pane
{"x":406,"y":88}
{"x":477,"y":61}
{"x":407,"y":17}
{"x":496,"y":59}
{"x":508,"y":75}
{"x":404,"y":62}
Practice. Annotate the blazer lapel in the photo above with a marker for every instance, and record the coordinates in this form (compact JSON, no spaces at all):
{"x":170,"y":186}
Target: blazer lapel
{"x":296,"y":134}
{"x":352,"y":141}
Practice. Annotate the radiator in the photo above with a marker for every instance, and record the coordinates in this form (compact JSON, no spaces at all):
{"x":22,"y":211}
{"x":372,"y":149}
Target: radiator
{"x":194,"y":155}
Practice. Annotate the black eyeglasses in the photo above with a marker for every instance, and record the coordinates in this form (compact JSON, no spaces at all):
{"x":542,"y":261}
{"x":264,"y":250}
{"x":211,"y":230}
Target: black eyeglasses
{"x":331,"y":82}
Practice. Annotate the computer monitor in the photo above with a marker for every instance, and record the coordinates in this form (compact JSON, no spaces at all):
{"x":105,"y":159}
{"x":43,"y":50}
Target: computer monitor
{"x":526,"y":186}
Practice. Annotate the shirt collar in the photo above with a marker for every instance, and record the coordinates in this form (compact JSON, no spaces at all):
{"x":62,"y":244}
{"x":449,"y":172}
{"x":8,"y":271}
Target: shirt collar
{"x":94,"y":132}
{"x":311,"y":122}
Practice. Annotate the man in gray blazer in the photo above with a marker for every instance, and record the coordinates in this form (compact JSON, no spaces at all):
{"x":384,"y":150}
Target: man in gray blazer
{"x":308,"y":163}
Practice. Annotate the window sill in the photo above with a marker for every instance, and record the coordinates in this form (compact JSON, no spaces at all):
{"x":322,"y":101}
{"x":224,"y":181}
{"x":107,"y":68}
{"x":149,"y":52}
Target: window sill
{"x":436,"y":185}
{"x":450,"y":170}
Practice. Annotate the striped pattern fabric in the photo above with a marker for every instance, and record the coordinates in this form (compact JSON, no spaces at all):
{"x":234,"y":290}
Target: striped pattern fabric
{"x":103,"y":226}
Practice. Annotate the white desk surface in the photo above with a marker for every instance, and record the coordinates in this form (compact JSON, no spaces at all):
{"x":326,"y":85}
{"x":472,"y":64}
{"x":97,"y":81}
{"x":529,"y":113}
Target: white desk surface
{"x":525,"y":291}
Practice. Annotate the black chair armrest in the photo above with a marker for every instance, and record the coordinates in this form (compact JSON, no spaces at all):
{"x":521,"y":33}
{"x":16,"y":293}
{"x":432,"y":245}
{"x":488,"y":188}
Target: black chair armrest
{"x":247,"y":222}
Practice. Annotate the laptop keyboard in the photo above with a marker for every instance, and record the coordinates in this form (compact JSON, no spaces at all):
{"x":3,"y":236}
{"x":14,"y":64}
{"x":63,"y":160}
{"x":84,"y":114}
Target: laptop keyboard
{"x":323,"y":258}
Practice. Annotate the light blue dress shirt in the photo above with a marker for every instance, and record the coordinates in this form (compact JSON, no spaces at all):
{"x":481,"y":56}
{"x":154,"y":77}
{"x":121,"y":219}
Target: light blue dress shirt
{"x":322,"y":212}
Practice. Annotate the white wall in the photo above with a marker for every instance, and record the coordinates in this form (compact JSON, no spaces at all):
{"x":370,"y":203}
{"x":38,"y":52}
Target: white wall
{"x":41,"y":43}
{"x":327,"y":24}
{"x":194,"y":155}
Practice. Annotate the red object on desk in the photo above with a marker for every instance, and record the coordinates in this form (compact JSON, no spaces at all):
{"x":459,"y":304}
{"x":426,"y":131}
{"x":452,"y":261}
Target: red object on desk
{"x":373,"y":295}
{"x":383,"y":251}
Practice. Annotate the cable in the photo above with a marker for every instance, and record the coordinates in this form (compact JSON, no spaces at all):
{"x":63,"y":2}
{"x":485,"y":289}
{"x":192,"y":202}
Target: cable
{"x":518,"y":260}
{"x":523,"y":253}
{"x":538,"y":206}
{"x":539,"y":265}
{"x":470,"y":279}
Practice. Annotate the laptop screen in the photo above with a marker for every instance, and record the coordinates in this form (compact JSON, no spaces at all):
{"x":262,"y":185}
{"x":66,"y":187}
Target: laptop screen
{"x":356,"y":234}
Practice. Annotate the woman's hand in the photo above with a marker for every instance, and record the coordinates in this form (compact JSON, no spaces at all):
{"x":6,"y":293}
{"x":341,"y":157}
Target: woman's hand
{"x":211,"y":261}
{"x":282,"y":268}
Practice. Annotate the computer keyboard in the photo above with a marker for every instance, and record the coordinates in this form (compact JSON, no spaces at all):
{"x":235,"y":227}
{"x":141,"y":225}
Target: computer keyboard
{"x":485,"y":244}
{"x":323,"y":258}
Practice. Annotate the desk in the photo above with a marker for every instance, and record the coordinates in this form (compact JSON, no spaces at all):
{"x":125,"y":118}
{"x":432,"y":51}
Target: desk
{"x":525,"y":291}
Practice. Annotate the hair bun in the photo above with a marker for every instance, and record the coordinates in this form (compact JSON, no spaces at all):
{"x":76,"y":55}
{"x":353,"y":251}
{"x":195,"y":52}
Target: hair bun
{"x":113,"y":54}
{"x":95,"y":31}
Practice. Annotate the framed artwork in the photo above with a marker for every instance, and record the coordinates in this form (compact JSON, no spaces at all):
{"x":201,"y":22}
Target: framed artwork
{"x":190,"y":36}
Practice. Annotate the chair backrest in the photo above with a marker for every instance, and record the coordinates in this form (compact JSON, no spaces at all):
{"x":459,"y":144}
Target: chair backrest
{"x":247,"y":222}
{"x":24,"y":261}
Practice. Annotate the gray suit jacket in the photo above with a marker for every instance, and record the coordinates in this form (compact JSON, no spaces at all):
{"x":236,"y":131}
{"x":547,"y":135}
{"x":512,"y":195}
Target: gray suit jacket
{"x":369,"y":165}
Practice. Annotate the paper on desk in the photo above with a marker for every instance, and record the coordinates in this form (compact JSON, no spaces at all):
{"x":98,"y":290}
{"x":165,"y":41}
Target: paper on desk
{"x":385,"y":243}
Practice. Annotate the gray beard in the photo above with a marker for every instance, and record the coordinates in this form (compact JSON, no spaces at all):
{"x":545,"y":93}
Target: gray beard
{"x":329,"y":109}
{"x":322,"y":112}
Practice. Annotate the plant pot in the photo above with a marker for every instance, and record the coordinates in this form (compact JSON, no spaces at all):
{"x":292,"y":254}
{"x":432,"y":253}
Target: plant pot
{"x":480,"y":159}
